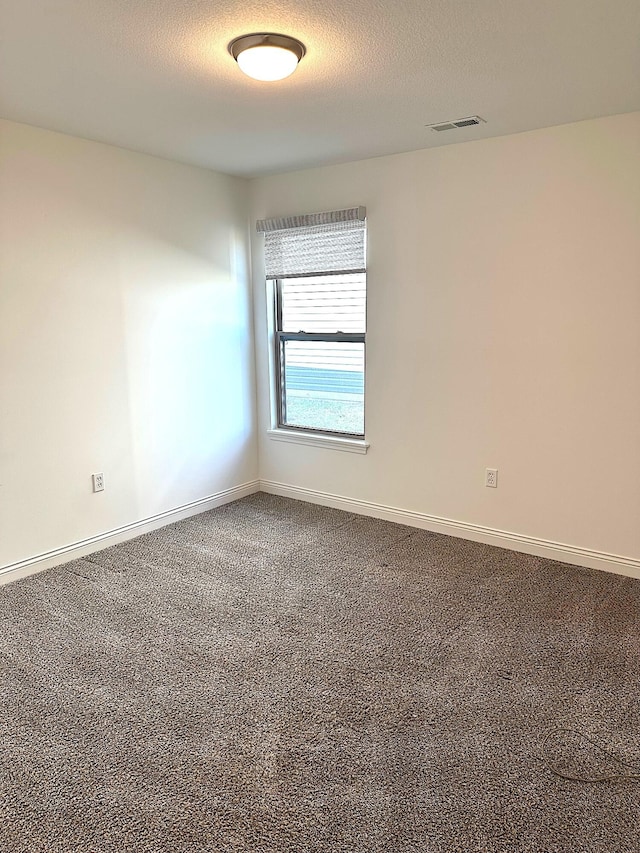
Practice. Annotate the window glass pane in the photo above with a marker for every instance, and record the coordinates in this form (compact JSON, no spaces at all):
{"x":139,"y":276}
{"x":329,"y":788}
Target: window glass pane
{"x":324,"y":385}
{"x":327,"y":303}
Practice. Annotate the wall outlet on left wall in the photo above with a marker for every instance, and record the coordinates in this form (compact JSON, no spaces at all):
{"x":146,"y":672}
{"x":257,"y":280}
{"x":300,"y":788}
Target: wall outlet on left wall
{"x":98,"y":482}
{"x":491,"y":478}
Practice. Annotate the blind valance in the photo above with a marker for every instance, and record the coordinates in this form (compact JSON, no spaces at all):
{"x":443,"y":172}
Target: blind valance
{"x":314,"y":244}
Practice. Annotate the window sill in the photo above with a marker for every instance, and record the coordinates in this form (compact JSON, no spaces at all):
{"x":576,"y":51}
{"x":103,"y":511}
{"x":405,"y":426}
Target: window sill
{"x":349,"y":445}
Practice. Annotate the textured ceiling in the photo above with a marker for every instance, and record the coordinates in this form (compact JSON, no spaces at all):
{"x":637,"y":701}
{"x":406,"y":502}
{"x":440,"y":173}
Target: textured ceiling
{"x":155,"y":75}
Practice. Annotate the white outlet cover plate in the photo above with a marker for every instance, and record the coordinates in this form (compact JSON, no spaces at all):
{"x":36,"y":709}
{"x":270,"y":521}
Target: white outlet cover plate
{"x":491,"y":478}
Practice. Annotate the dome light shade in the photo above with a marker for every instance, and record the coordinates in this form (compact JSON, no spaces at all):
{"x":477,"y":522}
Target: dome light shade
{"x":267,"y":56}
{"x":265,"y":62}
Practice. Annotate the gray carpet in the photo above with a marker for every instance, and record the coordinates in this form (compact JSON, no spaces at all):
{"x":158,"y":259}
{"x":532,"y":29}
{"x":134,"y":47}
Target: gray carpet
{"x":273,"y":676}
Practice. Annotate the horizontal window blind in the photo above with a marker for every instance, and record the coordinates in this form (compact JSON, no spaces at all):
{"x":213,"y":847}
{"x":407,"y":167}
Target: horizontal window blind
{"x":315,"y":244}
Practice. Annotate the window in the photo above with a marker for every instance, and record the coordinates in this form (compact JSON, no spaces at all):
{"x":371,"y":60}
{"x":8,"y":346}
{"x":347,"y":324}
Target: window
{"x":317,"y":265}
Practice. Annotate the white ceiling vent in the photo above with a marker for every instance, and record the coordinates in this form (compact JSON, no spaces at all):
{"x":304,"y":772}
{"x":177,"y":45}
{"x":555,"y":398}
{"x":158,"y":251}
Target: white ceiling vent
{"x":459,"y":122}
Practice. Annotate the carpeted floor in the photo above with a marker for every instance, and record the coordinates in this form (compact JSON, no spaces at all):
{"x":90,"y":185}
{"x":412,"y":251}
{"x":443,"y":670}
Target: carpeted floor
{"x":274,"y":676}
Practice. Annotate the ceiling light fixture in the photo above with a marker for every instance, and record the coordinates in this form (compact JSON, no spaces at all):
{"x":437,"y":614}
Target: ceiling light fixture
{"x":267,"y":56}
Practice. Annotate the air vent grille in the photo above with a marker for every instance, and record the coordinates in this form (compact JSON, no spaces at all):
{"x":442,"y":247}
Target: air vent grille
{"x":470,"y":121}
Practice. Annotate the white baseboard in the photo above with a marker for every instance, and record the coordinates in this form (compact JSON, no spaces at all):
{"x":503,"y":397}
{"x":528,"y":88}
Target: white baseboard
{"x":74,"y":550}
{"x":628,"y":566}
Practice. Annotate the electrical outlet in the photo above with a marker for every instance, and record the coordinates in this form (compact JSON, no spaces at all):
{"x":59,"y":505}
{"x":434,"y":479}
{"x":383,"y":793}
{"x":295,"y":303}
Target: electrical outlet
{"x":491,"y":478}
{"x":98,"y":482}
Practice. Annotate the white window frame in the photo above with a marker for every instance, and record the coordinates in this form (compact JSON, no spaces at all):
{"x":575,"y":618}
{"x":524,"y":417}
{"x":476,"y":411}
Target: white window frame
{"x":280,"y":337}
{"x":280,"y":430}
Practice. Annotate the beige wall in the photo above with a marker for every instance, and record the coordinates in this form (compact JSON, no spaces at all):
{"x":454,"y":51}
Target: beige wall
{"x":503,"y":331}
{"x":125,"y":338}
